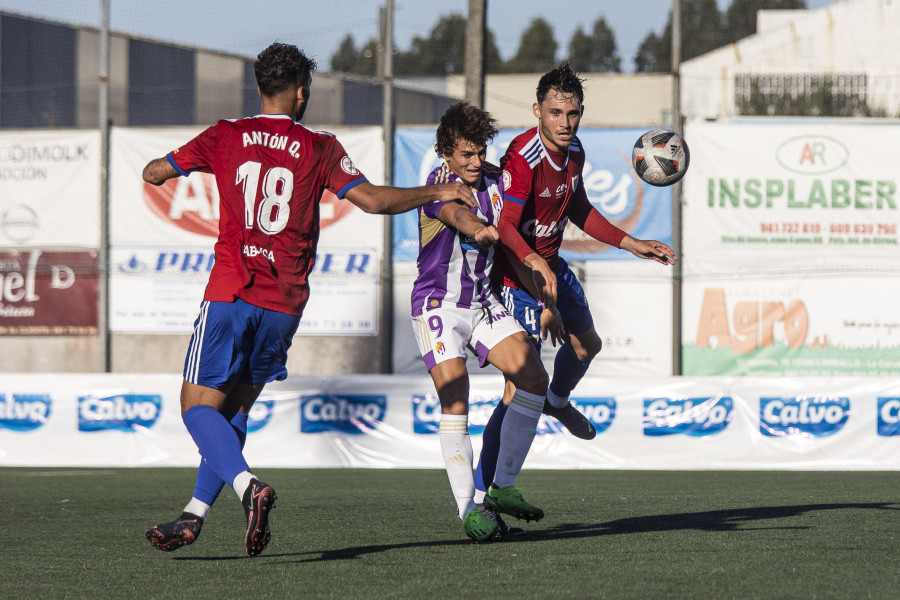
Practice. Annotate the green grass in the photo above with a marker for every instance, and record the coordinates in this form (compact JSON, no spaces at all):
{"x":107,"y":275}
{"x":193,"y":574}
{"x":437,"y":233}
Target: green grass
{"x":393,"y":534}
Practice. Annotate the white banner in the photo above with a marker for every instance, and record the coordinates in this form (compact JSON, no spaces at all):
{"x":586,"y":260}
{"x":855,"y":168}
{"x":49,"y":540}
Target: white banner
{"x":790,"y":250}
{"x":392,"y":422}
{"x":796,"y":198}
{"x":50,"y":189}
{"x":162,"y":241}
{"x":805,"y":327}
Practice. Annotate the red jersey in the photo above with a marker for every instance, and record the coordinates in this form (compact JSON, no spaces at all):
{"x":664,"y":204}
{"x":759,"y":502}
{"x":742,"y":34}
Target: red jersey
{"x":270,"y":172}
{"x":544,"y":190}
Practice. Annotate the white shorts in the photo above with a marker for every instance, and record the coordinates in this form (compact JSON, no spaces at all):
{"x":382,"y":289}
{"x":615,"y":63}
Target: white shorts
{"x":444,"y":333}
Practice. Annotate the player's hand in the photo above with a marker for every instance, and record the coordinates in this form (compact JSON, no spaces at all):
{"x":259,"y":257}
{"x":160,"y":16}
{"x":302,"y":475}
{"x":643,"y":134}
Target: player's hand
{"x":457,"y":191}
{"x":487,"y":236}
{"x":649,"y":249}
{"x":544,"y":279}
{"x":552,"y":325}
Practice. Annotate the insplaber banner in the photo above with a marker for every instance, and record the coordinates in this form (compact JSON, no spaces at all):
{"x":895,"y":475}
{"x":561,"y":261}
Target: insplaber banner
{"x":162,"y":241}
{"x":612,"y":187}
{"x":796,"y":198}
{"x":790,"y":249}
{"x":50,"y":189}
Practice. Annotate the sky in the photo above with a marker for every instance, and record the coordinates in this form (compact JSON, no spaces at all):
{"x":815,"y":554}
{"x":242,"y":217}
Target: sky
{"x":318,"y":26}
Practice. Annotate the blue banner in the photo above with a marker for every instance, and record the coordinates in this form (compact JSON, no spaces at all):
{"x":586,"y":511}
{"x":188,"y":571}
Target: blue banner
{"x":613,"y":188}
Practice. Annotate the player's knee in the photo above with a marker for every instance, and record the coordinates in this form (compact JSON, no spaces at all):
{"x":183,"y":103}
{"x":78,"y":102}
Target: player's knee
{"x":532,"y":378}
{"x":588,"y":348}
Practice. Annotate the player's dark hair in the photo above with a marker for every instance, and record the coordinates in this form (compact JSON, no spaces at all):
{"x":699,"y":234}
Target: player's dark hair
{"x":563,"y":78}
{"x":463,"y":121}
{"x":280,"y":66}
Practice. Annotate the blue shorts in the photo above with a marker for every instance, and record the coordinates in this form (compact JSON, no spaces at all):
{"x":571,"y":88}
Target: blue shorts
{"x":570,"y":301}
{"x":237,"y":342}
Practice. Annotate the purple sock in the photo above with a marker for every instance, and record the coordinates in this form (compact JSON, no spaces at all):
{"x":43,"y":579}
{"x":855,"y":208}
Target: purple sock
{"x":218,"y":443}
{"x":490,"y":448}
{"x":568,"y":370}
{"x":209,"y":485}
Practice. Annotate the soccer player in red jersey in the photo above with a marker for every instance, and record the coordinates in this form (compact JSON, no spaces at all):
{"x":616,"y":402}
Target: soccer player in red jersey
{"x":270,"y":171}
{"x":542,"y":174}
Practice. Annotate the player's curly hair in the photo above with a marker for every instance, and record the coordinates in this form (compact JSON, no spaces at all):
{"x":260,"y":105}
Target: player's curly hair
{"x":463,"y":121}
{"x":563,"y":78}
{"x":282,"y":65}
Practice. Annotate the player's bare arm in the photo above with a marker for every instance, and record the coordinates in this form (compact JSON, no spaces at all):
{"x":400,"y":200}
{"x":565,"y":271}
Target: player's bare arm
{"x":464,"y":221}
{"x":158,"y":171}
{"x":649,"y":249}
{"x":387,"y":200}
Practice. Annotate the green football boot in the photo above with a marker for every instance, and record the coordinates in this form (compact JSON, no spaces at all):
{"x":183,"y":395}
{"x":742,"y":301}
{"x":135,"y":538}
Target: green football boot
{"x":508,"y":500}
{"x":479,"y":527}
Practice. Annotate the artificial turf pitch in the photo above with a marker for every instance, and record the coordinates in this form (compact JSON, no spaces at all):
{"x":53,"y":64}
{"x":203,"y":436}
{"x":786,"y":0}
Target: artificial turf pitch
{"x":347,"y":533}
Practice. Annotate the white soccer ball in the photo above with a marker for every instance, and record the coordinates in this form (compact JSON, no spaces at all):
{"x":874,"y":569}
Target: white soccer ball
{"x":660,"y":157}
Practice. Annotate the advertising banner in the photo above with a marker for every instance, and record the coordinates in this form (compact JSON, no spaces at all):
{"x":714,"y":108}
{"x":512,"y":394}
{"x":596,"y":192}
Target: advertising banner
{"x":790,"y":248}
{"x":800,"y":423}
{"x":162,"y":241}
{"x":612,"y":187}
{"x":48,"y":293}
{"x":805,"y":327}
{"x":50,"y":189}
{"x":797,"y":198}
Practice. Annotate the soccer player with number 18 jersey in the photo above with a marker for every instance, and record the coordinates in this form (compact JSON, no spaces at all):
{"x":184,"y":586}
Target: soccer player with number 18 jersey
{"x":270,"y":173}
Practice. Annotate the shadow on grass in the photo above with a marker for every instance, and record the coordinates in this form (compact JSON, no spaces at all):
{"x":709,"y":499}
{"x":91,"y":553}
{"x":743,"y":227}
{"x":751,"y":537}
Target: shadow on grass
{"x":736,"y":519}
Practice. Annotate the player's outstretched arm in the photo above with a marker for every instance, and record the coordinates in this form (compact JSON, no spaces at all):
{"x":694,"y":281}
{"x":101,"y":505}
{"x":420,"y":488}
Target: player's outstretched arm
{"x":464,"y":221}
{"x":387,"y":200}
{"x":649,"y":249}
{"x":158,"y":171}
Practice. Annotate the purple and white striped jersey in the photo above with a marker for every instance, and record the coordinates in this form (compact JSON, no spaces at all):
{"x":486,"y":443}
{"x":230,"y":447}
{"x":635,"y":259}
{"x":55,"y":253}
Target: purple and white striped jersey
{"x":453,"y":268}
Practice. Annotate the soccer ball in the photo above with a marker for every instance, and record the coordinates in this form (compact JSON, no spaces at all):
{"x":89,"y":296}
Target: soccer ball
{"x":660,"y":157}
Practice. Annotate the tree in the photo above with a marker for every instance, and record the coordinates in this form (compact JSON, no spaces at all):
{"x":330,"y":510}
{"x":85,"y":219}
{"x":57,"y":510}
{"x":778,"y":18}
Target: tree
{"x":595,"y":53}
{"x":348,"y":59}
{"x":701,"y":31}
{"x":345,"y":58}
{"x":537,"y":49}
{"x":740,"y":18}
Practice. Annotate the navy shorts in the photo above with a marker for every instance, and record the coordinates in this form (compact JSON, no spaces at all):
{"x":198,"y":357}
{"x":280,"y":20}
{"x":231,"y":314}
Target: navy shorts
{"x":570,"y":301}
{"x":237,"y":342}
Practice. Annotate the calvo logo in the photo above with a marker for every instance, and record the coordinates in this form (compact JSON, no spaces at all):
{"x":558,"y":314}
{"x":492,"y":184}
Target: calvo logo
{"x":812,"y":154}
{"x":124,"y":412}
{"x":427,"y":413}
{"x":687,"y":416}
{"x":349,"y":413}
{"x":24,"y":412}
{"x":805,"y":416}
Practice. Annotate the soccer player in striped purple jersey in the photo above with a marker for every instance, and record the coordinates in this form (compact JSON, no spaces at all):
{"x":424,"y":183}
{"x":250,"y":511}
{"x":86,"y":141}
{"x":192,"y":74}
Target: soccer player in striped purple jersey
{"x":454,"y":308}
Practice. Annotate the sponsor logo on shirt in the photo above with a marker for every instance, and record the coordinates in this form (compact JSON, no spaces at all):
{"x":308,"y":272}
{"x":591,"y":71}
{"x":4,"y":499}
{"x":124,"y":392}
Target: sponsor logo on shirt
{"x":536,"y":229}
{"x":24,"y":412}
{"x":545,"y":193}
{"x":691,"y":416}
{"x":805,"y":416}
{"x":351,"y":413}
{"x":254,"y":251}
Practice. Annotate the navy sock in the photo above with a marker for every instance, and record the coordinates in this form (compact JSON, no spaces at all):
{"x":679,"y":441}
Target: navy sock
{"x":217,"y":441}
{"x":209,"y":485}
{"x":568,"y":370}
{"x":490,"y":449}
